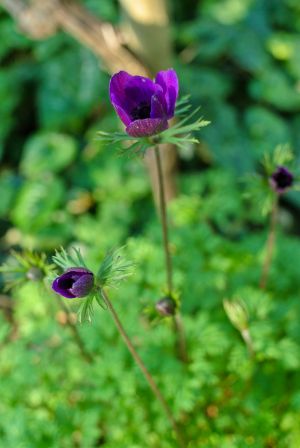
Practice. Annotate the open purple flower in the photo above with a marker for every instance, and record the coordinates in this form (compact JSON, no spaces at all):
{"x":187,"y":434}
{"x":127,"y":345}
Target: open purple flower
{"x":75,"y":282}
{"x":144,"y":106}
{"x":281,"y":179}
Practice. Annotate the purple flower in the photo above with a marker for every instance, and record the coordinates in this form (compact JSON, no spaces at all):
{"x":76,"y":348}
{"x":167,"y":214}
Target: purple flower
{"x":75,"y":282}
{"x":281,"y":179}
{"x":144,"y":106}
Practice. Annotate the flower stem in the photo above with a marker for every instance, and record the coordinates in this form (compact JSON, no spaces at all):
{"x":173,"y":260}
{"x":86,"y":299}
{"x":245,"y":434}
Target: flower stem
{"x":270,"y":245}
{"x":181,"y":344}
{"x":77,"y":338}
{"x":144,"y":370}
{"x":248,"y":341}
{"x":164,"y":221}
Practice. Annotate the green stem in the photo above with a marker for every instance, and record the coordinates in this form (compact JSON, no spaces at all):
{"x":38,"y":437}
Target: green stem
{"x":248,"y":341}
{"x":270,"y":245}
{"x":181,"y":344}
{"x":144,"y":370}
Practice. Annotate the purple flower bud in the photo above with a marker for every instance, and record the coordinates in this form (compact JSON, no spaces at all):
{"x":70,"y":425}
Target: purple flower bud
{"x":144,"y":106}
{"x":75,"y":282}
{"x":281,"y":179}
{"x":166,"y":306}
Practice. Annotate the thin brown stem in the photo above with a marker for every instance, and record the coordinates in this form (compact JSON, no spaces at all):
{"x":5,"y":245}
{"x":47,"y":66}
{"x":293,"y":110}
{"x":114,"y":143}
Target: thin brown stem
{"x":144,"y":370}
{"x":164,"y":220}
{"x":270,"y":245}
{"x":181,"y":344}
{"x":77,"y":338}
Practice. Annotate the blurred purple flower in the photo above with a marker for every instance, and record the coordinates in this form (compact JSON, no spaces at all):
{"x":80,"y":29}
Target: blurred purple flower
{"x":75,"y":282}
{"x":144,"y":106}
{"x":281,"y":179}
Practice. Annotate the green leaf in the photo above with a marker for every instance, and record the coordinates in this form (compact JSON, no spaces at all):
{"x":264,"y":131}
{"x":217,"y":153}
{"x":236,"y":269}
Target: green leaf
{"x":65,"y":260}
{"x":8,"y":186}
{"x":36,"y":202}
{"x":47,"y":152}
{"x":114,"y":269}
{"x":277,"y":89}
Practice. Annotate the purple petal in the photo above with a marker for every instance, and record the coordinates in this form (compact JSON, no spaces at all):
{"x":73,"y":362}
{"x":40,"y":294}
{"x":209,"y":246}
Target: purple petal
{"x":140,"y":89}
{"x":75,"y":282}
{"x":117,"y":87}
{"x":158,"y":106}
{"x":56,"y":286}
{"x":168,"y":80}
{"x":83,"y":285}
{"x":147,"y":127}
{"x":125,"y":118}
{"x":129,"y":92}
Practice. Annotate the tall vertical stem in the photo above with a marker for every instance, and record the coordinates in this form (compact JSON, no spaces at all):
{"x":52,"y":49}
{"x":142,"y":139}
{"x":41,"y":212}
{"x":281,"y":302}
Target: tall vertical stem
{"x":181,"y":344}
{"x":164,"y":220}
{"x":270,"y":245}
{"x":144,"y":370}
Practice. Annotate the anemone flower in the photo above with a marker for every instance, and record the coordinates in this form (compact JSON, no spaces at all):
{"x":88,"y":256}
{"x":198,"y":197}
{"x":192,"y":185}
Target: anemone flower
{"x":143,"y":105}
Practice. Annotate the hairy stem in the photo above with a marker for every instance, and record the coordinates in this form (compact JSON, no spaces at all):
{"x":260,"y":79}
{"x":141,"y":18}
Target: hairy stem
{"x":144,"y":370}
{"x":270,"y":245}
{"x":181,"y":344}
{"x":77,"y":338}
{"x":164,"y":220}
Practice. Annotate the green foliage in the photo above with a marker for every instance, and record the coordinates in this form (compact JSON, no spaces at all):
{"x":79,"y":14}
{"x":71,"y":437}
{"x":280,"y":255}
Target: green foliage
{"x":109,"y":399}
{"x":180,"y":134}
{"x":114,"y":269}
{"x":61,"y":187}
{"x":47,"y":152}
{"x":243,"y":68}
{"x":25,"y":266}
{"x":36,"y":202}
{"x":66,"y":260}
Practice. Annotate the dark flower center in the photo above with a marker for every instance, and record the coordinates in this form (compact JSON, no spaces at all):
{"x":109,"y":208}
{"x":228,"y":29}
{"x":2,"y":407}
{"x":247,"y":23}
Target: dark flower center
{"x":141,"y":111}
{"x":66,"y":283}
{"x":283,"y":179}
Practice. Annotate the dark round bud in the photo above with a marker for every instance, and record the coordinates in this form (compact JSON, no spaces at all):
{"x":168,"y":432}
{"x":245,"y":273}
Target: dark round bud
{"x":281,"y":179}
{"x":166,"y":306}
{"x":34,"y":274}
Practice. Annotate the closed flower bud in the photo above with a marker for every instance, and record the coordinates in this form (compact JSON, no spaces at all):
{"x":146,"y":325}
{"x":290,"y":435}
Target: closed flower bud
{"x":236,"y":313}
{"x":74,"y":282}
{"x":281,"y":180}
{"x":166,"y":306}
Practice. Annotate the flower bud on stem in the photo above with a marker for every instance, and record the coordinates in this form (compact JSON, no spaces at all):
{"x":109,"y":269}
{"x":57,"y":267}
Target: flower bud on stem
{"x":144,"y":370}
{"x":238,"y":316}
{"x":178,"y":326}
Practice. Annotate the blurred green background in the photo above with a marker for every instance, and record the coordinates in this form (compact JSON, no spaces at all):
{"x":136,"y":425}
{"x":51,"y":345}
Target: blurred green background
{"x":239,"y":60}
